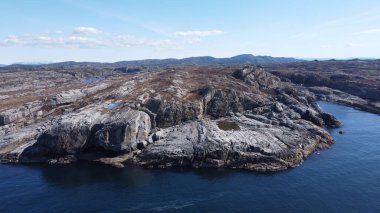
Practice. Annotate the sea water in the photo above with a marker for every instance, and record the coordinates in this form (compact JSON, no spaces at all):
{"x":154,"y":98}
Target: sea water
{"x":344,"y":178}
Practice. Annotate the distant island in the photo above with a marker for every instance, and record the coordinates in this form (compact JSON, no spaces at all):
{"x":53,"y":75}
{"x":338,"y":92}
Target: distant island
{"x":202,"y":60}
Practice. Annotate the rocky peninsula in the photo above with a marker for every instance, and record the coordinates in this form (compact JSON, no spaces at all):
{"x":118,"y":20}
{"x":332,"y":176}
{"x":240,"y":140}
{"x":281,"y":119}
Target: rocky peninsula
{"x":233,"y":116}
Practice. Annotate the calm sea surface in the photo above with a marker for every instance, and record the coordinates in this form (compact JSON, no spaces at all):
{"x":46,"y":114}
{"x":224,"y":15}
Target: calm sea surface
{"x":345,"y":178}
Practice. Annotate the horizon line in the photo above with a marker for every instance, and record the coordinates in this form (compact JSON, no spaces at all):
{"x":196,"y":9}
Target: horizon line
{"x":36,"y":63}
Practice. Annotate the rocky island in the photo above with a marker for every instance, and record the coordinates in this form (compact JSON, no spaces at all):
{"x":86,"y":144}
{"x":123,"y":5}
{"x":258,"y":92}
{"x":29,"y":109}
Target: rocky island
{"x":254,"y":117}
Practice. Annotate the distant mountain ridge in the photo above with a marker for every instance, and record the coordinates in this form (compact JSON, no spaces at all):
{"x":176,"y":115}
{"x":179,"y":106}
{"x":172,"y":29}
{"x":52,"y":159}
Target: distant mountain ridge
{"x":201,"y":60}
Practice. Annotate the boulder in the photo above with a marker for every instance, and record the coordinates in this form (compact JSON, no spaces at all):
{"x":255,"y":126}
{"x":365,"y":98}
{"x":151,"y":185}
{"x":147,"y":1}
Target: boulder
{"x":330,"y":120}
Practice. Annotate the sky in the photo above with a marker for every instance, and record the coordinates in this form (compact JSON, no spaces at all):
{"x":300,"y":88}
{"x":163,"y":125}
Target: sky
{"x":115,"y":30}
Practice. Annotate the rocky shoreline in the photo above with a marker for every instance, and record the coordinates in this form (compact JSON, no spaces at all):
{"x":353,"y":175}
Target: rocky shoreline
{"x":187,"y":116}
{"x":353,"y":83}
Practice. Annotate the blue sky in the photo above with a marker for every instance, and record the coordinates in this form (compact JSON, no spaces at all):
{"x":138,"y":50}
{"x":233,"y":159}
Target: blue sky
{"x":114,"y":30}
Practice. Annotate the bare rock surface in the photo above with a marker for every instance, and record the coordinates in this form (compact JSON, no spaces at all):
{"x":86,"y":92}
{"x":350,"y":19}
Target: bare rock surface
{"x":337,"y":96}
{"x":123,"y":131}
{"x":256,"y":146}
{"x":198,"y":116}
{"x":351,"y":82}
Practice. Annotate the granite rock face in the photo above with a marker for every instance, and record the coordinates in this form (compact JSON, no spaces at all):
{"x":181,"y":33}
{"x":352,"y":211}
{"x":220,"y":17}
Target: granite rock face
{"x":124,"y":131}
{"x":207,"y":116}
{"x":89,"y":129}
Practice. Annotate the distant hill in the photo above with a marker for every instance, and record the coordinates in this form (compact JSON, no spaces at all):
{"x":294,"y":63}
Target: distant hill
{"x":202,"y":60}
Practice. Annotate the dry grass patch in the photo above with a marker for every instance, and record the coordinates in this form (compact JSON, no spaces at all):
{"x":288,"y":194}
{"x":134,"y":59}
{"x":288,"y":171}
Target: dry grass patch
{"x":228,"y":125}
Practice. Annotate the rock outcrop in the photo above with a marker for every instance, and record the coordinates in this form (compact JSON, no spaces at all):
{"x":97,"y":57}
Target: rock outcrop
{"x":31,"y":110}
{"x":123,"y":132}
{"x":256,"y":146}
{"x":337,"y":96}
{"x":77,"y":133}
{"x":358,"y":78}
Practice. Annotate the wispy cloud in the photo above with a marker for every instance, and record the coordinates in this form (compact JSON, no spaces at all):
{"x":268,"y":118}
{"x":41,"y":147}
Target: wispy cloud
{"x":304,"y":35}
{"x":86,"y":30}
{"x":197,"y":36}
{"x":198,"y":33}
{"x":82,"y":37}
{"x":369,"y":31}
{"x":91,"y":37}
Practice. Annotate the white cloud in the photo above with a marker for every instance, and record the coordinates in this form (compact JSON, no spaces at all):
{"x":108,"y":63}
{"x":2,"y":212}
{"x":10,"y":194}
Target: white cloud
{"x":86,"y":31}
{"x":369,"y":31}
{"x":198,"y":33}
{"x":57,"y":32}
{"x":87,"y":38}
{"x":196,"y":36}
{"x":11,"y":39}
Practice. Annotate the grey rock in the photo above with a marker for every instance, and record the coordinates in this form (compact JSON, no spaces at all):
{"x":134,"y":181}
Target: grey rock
{"x":124,"y":131}
{"x":31,"y":110}
{"x":337,"y":96}
{"x":265,"y":148}
{"x":75,"y":133}
{"x":330,"y":120}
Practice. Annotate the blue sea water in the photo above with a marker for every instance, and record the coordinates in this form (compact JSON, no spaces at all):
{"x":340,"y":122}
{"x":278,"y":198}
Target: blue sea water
{"x":345,"y":178}
{"x":94,"y":79}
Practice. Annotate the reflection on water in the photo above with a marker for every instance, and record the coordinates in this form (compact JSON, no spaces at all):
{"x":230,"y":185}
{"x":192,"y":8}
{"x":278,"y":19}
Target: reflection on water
{"x":93,"y":79}
{"x":75,"y":175}
{"x":82,"y":174}
{"x":344,"y":178}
